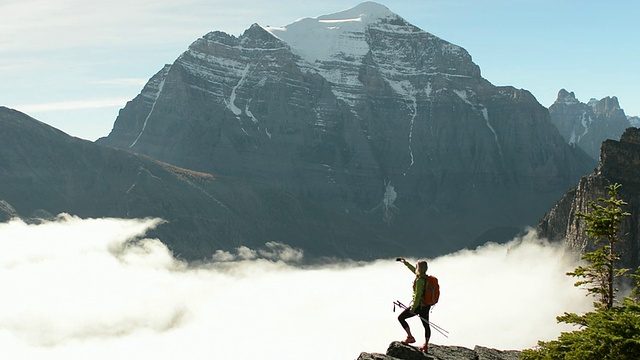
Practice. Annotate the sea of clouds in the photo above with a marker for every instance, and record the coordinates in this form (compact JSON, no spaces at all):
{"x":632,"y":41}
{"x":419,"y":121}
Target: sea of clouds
{"x":82,"y":289}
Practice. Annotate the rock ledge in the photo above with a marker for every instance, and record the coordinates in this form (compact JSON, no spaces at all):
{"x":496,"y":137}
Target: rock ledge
{"x":397,"y":351}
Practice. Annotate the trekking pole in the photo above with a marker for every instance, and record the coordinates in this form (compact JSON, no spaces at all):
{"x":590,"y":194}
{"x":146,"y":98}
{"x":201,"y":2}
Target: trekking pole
{"x":438,"y":328}
{"x":435,"y":326}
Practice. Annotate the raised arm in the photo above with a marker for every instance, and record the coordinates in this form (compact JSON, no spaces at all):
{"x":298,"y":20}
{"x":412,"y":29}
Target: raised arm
{"x":407,"y":264}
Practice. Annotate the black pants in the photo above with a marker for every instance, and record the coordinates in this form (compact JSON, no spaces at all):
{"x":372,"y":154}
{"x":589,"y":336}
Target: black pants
{"x":423,"y":311}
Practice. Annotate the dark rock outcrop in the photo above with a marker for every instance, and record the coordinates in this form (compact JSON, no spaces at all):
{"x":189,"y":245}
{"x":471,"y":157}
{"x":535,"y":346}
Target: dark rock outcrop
{"x":7,"y":212}
{"x":588,"y":125}
{"x":398,"y":351}
{"x":44,"y":172}
{"x":384,"y":123}
{"x":619,"y":163}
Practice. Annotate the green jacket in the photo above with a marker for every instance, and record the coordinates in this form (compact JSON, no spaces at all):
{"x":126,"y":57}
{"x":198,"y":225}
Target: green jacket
{"x":418,"y":287}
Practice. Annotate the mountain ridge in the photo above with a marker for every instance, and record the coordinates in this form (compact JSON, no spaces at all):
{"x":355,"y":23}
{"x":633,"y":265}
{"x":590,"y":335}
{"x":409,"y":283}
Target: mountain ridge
{"x":45,"y":172}
{"x":404,"y":136}
{"x":588,"y":125}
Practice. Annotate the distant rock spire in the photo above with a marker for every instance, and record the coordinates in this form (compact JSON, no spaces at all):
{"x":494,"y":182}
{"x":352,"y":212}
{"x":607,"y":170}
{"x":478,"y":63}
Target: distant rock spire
{"x":588,"y":125}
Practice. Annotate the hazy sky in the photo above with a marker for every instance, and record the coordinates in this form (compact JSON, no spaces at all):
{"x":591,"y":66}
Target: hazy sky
{"x":76,"y":289}
{"x":75,"y":63}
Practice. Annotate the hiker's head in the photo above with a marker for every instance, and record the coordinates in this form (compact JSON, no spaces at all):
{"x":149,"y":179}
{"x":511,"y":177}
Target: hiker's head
{"x":421,"y":267}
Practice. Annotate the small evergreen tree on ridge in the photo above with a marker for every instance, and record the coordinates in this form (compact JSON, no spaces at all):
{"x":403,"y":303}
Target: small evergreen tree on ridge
{"x":611,"y":331}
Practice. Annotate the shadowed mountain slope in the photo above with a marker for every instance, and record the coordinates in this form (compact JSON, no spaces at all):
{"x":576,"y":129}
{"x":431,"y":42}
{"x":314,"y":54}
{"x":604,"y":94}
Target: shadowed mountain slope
{"x":44,"y":171}
{"x":619,"y":163}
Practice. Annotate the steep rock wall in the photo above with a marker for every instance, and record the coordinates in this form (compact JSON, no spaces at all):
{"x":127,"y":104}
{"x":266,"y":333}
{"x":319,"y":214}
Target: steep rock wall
{"x":619,"y":163}
{"x":388,"y":125}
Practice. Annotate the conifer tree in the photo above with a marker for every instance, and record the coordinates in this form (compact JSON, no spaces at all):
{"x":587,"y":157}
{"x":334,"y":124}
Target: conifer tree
{"x":610,"y":331}
{"x":602,"y":226}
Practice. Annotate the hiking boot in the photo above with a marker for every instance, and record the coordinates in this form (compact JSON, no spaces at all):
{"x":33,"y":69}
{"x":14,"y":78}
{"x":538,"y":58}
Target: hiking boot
{"x":408,"y":340}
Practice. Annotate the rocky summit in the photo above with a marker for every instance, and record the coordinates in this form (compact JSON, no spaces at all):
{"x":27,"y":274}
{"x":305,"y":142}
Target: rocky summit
{"x":398,"y":351}
{"x":588,"y":125}
{"x":362,"y":114}
{"x":619,"y":163}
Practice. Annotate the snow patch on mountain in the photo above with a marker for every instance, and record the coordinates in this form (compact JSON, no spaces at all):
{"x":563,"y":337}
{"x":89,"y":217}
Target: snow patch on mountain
{"x":405,"y":89}
{"x":462,"y":94}
{"x":335,"y":36}
{"x":387,"y":204}
{"x":335,"y":45}
{"x":231,"y":104}
{"x":330,"y":39}
{"x":153,"y":92}
{"x":249,"y":113}
{"x":585,"y":123}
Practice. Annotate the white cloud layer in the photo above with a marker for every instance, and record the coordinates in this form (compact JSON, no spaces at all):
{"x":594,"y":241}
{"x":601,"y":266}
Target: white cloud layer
{"x":79,"y":289}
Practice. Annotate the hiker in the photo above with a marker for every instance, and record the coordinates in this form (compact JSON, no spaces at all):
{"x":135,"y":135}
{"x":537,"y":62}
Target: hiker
{"x":417,"y":307}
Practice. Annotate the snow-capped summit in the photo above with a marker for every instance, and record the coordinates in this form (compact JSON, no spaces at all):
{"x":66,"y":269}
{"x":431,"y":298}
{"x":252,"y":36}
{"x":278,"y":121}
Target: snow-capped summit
{"x":338,"y":36}
{"x":368,"y":11}
{"x":338,"y":45}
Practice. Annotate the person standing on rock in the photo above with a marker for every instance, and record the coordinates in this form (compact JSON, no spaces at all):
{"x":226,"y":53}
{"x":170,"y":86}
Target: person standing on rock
{"x":417,"y":307}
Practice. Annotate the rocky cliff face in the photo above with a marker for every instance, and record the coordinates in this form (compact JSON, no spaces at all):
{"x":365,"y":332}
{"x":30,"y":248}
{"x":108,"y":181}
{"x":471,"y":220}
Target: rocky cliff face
{"x":588,"y":125}
{"x":7,"y":212}
{"x":405,"y":352}
{"x":363,"y":114}
{"x":619,"y":163}
{"x":44,"y":172}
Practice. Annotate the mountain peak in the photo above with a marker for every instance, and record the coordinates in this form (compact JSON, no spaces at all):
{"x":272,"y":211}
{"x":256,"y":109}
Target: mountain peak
{"x":365,"y":12}
{"x":566,"y":97}
{"x":336,"y":34}
{"x":365,"y":115}
{"x":588,"y":125}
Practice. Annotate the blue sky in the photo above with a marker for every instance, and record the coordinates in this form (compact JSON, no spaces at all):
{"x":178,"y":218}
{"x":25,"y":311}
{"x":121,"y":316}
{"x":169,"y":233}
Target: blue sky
{"x":74,"y":63}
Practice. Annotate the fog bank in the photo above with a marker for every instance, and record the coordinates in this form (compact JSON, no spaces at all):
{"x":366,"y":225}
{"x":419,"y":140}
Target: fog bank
{"x":78,"y":289}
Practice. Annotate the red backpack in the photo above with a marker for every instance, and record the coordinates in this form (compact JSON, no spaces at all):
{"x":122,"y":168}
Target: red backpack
{"x":431,"y":291}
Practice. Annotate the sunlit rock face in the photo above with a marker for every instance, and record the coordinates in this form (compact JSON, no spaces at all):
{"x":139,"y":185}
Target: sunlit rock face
{"x":588,"y":125}
{"x":363,"y":114}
